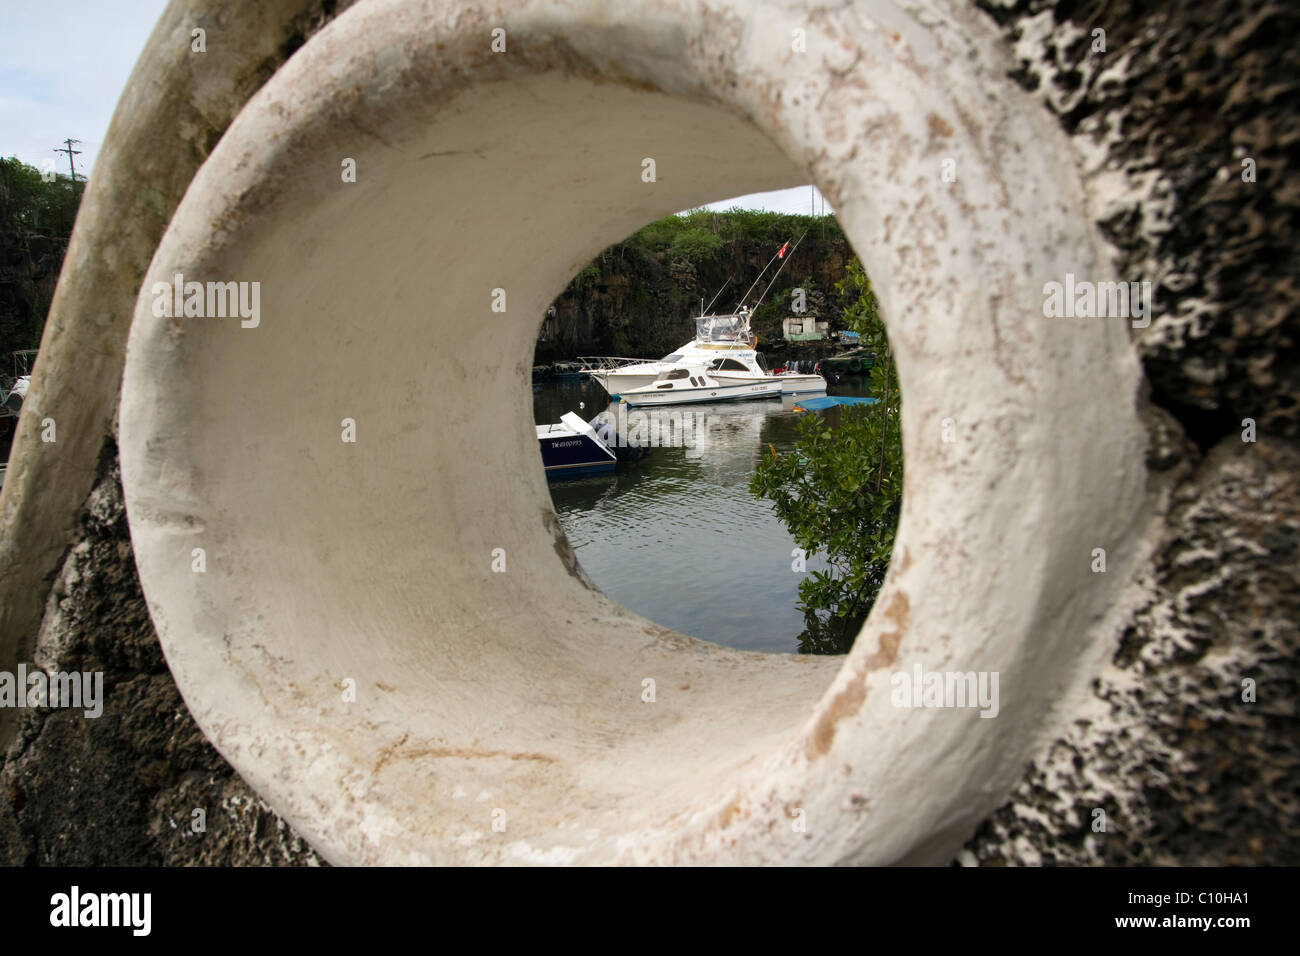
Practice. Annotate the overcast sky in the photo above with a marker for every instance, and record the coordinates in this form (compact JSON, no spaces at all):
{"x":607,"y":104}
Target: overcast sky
{"x":63,"y":64}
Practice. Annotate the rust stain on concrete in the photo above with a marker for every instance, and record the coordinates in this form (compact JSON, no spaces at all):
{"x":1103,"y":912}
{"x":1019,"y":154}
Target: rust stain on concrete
{"x":898,"y":614}
{"x":938,"y":126}
{"x":729,"y":814}
{"x":462,"y":753}
{"x":845,"y":704}
{"x":849,"y":700}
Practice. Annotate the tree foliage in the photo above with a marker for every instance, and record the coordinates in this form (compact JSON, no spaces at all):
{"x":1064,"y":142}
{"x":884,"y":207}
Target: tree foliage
{"x":695,"y":245}
{"x":36,"y":218}
{"x":30,"y":204}
{"x":757,"y":226}
{"x":640,"y":283}
{"x":839,"y":492}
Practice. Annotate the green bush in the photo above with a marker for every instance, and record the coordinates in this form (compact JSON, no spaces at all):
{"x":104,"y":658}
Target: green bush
{"x":749,"y":225}
{"x":695,"y":245}
{"x":840,"y":491}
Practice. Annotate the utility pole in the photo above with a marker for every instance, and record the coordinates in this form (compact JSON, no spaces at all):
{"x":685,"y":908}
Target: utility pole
{"x":72,"y":170}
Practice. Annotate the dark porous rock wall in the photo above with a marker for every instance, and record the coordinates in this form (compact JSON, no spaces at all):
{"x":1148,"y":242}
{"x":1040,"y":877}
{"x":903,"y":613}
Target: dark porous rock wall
{"x":122,"y":788}
{"x":646,"y":302}
{"x":29,"y":268}
{"x":1184,"y":770}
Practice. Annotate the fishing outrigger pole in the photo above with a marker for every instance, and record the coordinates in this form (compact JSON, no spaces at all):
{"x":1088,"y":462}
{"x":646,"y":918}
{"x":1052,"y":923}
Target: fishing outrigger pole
{"x":780,"y":253}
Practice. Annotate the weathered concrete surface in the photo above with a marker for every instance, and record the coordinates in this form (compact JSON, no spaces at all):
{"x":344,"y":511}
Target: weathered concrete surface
{"x":1148,"y":809}
{"x":330,"y":562}
{"x":175,"y":107}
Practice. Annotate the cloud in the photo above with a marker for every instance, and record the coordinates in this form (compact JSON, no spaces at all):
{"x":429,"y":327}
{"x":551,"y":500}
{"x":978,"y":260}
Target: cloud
{"x":793,"y":200}
{"x":65,"y":65}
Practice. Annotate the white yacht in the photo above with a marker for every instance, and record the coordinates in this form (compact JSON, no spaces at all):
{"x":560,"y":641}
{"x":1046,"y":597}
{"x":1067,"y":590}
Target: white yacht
{"x":684,"y":384}
{"x":723,"y":347}
{"x":13,"y":400}
{"x":13,"y":389}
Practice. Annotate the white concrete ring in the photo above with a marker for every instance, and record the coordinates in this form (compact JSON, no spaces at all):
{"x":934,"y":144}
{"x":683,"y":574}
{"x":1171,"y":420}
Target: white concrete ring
{"x":515,"y":698}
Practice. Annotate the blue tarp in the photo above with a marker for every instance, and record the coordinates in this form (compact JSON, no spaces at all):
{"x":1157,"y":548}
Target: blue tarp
{"x":826,"y":401}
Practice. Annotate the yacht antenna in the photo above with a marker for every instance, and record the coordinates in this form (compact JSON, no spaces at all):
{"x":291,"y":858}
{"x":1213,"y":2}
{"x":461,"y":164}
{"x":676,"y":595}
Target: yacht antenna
{"x":778,"y":271}
{"x":715,"y":297}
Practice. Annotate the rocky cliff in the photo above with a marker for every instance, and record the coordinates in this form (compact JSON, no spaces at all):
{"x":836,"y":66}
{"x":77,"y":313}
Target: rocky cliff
{"x":29,"y":269}
{"x":639,"y":296}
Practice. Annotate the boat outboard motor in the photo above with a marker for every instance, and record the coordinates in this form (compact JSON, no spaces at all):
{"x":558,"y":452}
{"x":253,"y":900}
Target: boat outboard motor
{"x":605,"y":425}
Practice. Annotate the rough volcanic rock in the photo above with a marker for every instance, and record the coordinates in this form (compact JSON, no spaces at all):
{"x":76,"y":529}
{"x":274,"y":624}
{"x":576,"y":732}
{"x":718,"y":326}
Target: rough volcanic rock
{"x":1185,"y":770}
{"x":122,"y":788}
{"x":1191,"y":746}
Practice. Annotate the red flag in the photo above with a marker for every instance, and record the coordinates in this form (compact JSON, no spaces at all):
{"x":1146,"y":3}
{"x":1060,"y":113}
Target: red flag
{"x":781,"y":254}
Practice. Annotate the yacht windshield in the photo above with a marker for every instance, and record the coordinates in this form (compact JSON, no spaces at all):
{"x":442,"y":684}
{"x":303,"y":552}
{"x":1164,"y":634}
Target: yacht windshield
{"x":720,"y":328}
{"x":675,"y":357}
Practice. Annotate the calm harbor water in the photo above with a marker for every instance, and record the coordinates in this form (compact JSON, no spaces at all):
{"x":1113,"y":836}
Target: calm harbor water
{"x":677,"y":537}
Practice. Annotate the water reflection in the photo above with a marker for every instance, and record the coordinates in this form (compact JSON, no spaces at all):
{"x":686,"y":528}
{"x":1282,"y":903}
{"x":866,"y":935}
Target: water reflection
{"x":676,"y":536}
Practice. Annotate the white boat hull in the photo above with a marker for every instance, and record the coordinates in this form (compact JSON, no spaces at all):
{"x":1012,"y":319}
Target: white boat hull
{"x":616,"y":383}
{"x":794,"y":384}
{"x":709,"y":393}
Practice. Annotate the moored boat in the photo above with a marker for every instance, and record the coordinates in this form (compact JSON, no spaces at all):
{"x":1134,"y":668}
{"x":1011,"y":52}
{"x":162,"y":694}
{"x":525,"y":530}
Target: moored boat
{"x":855,"y":362}
{"x":13,"y":389}
{"x":792,"y":383}
{"x":724,"y":347}
{"x":684,"y":385}
{"x":572,"y":447}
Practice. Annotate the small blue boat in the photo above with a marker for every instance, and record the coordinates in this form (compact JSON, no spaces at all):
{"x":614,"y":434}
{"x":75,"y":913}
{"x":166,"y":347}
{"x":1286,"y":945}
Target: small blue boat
{"x":823,"y":402}
{"x":571,"y":448}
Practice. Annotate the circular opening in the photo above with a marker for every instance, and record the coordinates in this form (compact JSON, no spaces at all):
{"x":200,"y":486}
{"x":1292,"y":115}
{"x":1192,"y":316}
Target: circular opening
{"x":692,"y":513}
{"x":389,"y":636}
{"x":388,"y":543}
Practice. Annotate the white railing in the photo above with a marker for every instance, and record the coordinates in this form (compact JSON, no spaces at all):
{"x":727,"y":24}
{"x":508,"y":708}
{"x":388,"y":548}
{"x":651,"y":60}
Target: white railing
{"x":609,"y":363}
